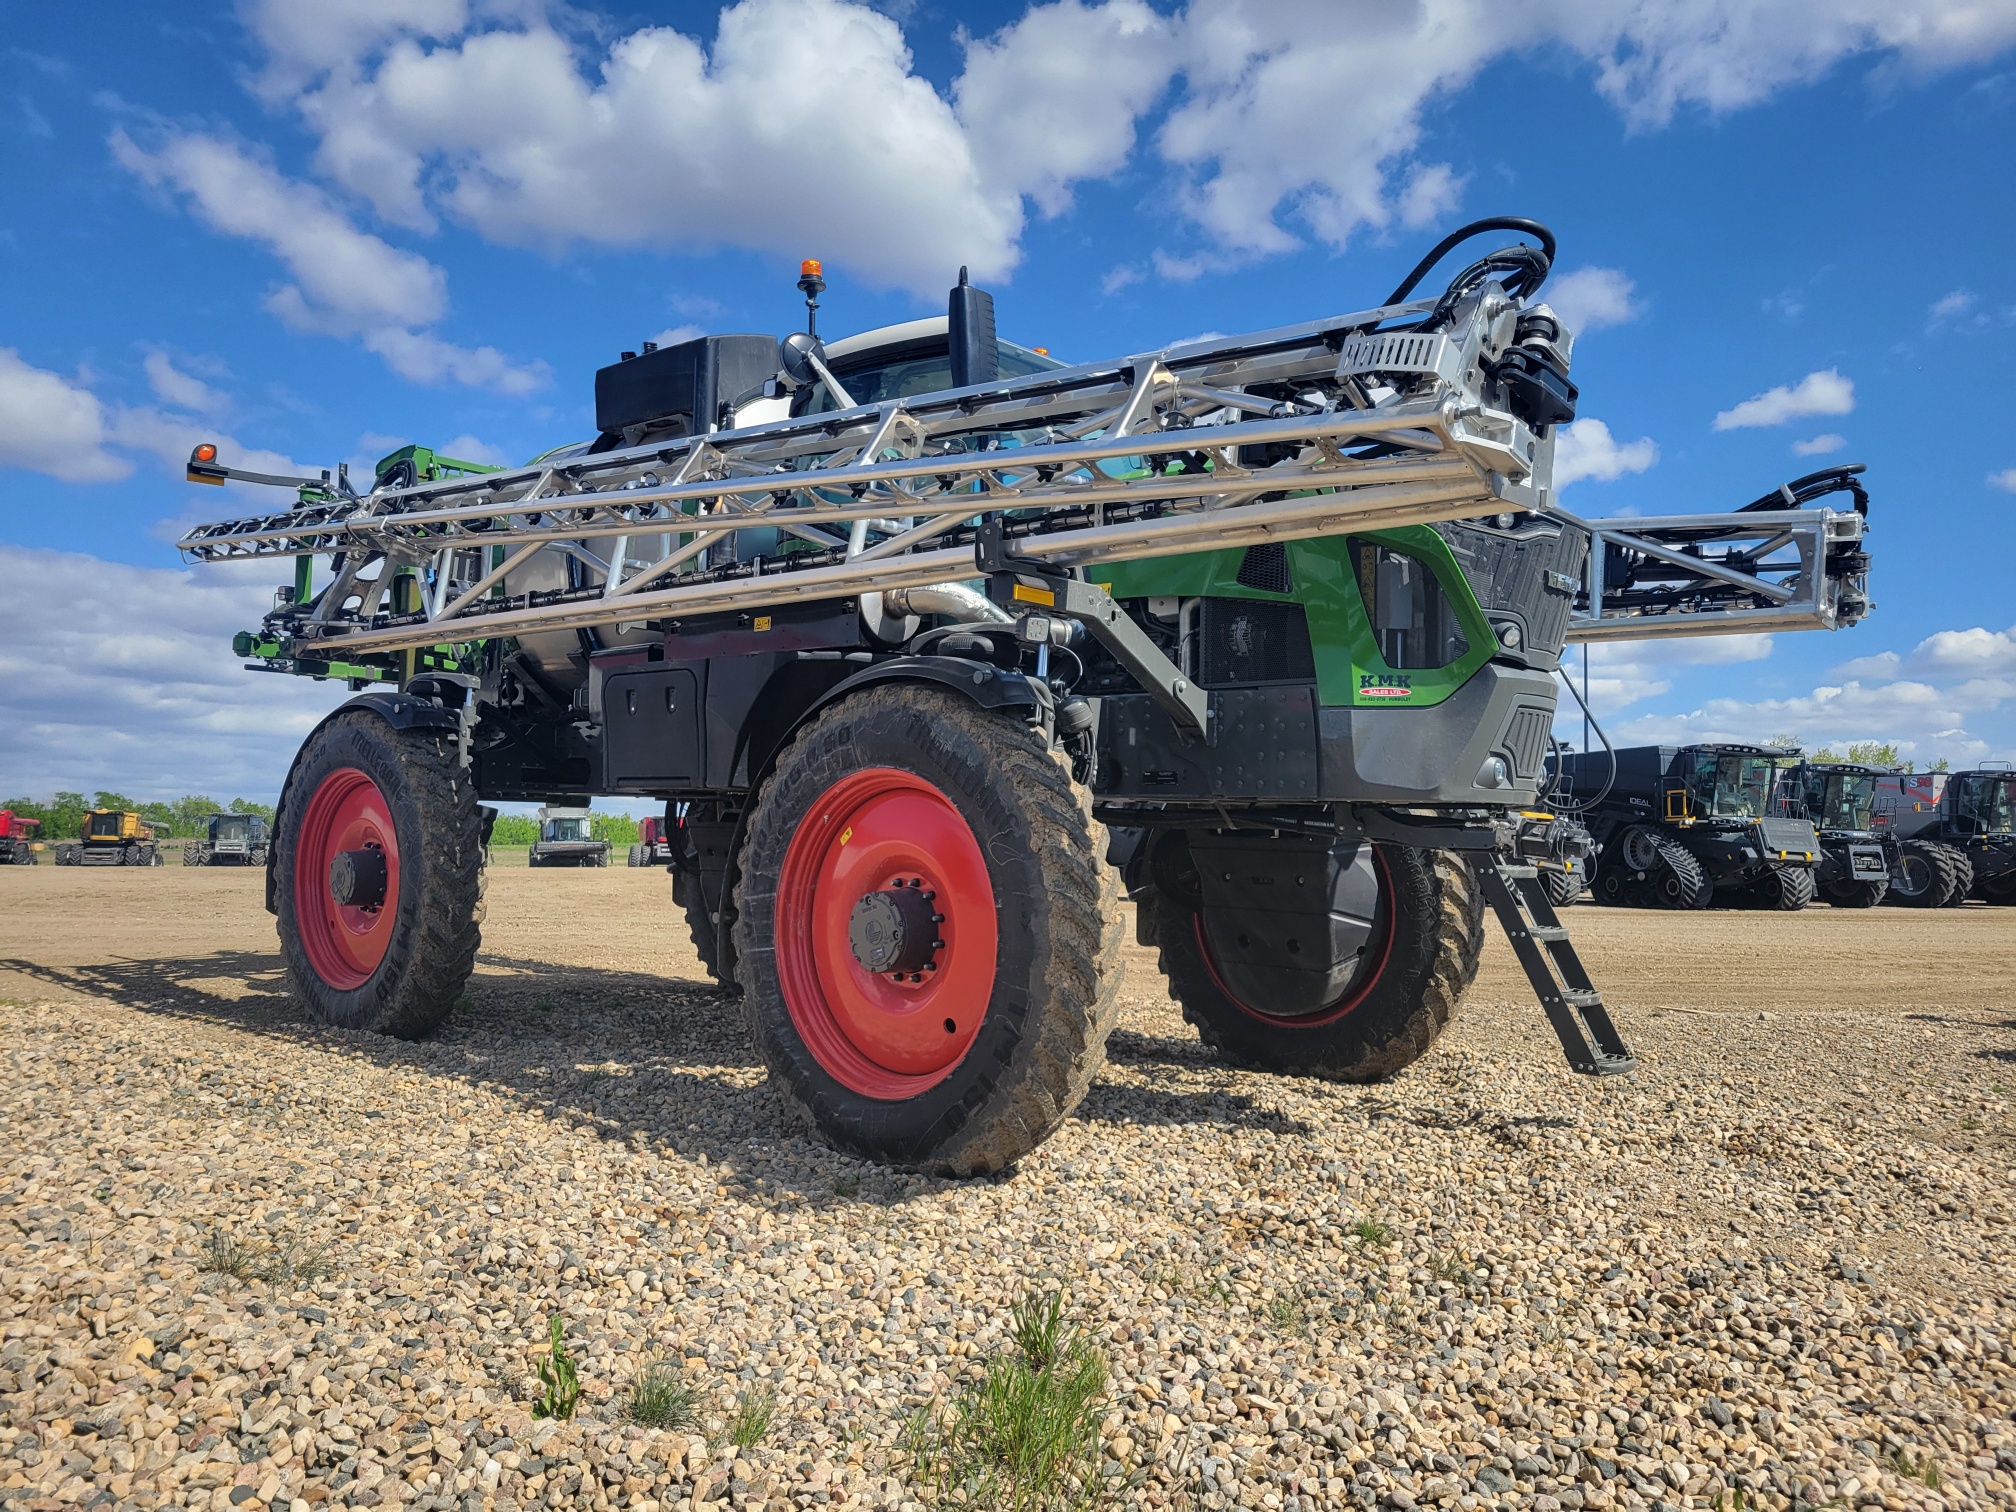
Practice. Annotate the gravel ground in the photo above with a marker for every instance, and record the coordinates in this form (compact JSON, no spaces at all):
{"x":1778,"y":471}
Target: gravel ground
{"x":1774,"y":1262}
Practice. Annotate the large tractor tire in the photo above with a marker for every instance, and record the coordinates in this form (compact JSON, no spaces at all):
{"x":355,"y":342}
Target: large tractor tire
{"x":69,"y":855}
{"x":923,"y":995}
{"x":1925,"y":876}
{"x":1998,"y":890}
{"x":1782,"y":889}
{"x":636,"y":855}
{"x":1963,"y":876}
{"x":1645,"y":869}
{"x":1420,"y":920}
{"x":1854,"y":894}
{"x":195,"y":853}
{"x":1563,"y":888}
{"x":378,"y":875}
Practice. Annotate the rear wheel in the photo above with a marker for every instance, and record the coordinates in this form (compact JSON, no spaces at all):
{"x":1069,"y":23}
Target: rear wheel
{"x":1963,"y":876}
{"x":1924,"y":877}
{"x":923,"y":997}
{"x":1999,"y":890}
{"x":1415,"y":921}
{"x":378,"y":875}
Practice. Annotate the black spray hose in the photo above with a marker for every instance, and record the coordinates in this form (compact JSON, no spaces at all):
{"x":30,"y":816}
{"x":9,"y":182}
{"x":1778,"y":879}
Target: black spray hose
{"x":1583,"y":808}
{"x":1441,"y":249}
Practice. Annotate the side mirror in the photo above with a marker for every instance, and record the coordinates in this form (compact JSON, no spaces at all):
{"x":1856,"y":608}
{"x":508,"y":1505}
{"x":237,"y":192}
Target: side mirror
{"x":976,"y":357}
{"x":796,"y":355}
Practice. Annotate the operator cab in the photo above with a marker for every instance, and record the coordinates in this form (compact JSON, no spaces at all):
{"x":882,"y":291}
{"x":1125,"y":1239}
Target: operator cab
{"x":1984,"y":803}
{"x":902,"y":361}
{"x":1729,"y":781}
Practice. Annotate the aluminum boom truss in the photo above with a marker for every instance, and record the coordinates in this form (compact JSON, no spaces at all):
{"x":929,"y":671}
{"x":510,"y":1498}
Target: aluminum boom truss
{"x":1302,"y":431}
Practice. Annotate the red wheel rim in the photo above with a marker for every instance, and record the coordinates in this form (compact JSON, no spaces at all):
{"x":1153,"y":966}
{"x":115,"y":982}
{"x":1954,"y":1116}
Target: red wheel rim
{"x":875,"y":831}
{"x":1367,"y":976}
{"x":345,"y":943}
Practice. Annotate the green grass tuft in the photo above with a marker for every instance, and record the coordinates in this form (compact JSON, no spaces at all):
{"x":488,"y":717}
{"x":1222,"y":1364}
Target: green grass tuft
{"x":659,"y":1398}
{"x":1025,"y":1436}
{"x":1372,"y":1232}
{"x":753,"y":1417}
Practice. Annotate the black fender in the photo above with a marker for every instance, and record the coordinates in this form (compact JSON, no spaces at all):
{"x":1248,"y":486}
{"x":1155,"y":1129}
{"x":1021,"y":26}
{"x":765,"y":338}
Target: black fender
{"x":989,"y":686}
{"x":436,"y":705}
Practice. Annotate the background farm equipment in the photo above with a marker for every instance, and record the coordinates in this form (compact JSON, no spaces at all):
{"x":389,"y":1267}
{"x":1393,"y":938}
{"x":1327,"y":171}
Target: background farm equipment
{"x":111,"y":837}
{"x":1684,"y":826}
{"x":566,"y":839}
{"x":228,"y":840}
{"x":17,"y":839}
{"x":892,"y":626}
{"x":654,"y":844}
{"x":1858,"y":847}
{"x":1956,"y":833}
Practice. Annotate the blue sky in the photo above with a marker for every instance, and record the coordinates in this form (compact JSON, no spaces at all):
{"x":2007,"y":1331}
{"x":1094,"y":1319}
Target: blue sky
{"x":313,"y":232}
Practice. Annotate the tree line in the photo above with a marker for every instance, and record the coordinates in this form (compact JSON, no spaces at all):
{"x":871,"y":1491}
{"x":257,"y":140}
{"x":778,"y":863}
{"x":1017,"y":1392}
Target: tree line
{"x":62,"y":816}
{"x":522,"y":829}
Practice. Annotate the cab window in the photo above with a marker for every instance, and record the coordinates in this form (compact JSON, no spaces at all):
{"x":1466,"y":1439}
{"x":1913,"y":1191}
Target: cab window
{"x":923,"y":367}
{"x":1412,"y":618}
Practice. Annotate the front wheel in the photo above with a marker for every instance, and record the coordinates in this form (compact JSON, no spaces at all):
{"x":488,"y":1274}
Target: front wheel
{"x":1924,"y":876}
{"x":1854,"y":894}
{"x":1782,"y":889}
{"x":1415,"y":919}
{"x":378,"y":875}
{"x":924,"y":933}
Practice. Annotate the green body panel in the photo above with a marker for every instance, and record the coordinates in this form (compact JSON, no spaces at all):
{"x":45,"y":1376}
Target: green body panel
{"x":1349,"y":668}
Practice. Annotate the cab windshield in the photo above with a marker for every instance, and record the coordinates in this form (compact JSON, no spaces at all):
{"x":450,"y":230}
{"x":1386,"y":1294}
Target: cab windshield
{"x":1730,"y":786}
{"x":918,"y":368}
{"x":566,"y":829}
{"x":1847,"y":801}
{"x":1988,"y":804}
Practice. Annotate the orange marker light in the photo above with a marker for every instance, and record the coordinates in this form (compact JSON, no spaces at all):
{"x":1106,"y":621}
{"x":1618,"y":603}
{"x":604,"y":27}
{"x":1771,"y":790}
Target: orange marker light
{"x":206,"y":453}
{"x":810,"y":268}
{"x":1041,"y":351}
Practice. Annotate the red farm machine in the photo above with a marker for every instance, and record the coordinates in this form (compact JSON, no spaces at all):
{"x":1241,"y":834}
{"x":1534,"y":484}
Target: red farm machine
{"x":931,"y":645}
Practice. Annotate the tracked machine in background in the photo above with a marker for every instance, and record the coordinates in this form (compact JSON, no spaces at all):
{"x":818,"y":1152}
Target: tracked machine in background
{"x":111,"y":837}
{"x":1956,"y":833}
{"x":893,"y":626}
{"x":1687,"y":826}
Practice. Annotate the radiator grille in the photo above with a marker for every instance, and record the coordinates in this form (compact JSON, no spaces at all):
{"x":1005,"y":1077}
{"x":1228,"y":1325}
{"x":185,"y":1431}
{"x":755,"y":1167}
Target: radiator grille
{"x":1265,"y":568}
{"x":1242,"y":642}
{"x":1526,"y":740}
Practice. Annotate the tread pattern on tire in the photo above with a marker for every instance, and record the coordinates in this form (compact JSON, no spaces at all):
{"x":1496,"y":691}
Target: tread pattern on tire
{"x":1563,"y":888}
{"x":1855,"y":894}
{"x":1697,"y":889}
{"x":429,"y":960}
{"x":1963,"y":876}
{"x":1785,"y":889}
{"x":1035,"y":817}
{"x":1453,"y":898}
{"x":1938,"y":861}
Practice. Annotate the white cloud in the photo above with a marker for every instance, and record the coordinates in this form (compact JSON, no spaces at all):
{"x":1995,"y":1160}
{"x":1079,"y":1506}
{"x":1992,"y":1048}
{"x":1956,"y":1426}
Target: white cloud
{"x":1591,"y":298}
{"x":803,"y":121}
{"x":1622,"y":673}
{"x":1052,"y":99}
{"x":1586,"y":449}
{"x":171,"y":437}
{"x":173,"y":386}
{"x":1121,"y":277}
{"x":801,"y":130}
{"x":158,"y":710}
{"x":673,"y":335}
{"x":1952,"y":307}
{"x":2004,"y":480}
{"x":51,"y":425}
{"x":467,"y":448}
{"x":1819,"y":446}
{"x":347,"y":282}
{"x":1822,"y":393}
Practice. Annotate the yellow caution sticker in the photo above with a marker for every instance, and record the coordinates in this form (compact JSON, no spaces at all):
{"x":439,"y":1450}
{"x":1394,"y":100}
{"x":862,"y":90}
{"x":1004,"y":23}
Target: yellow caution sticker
{"x":847,"y":834}
{"x":1030,"y":595}
{"x":761,"y":622}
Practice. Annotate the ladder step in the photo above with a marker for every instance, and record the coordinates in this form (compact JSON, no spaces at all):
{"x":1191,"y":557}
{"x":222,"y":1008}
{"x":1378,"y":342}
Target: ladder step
{"x":1577,"y":998}
{"x":1547,"y":932}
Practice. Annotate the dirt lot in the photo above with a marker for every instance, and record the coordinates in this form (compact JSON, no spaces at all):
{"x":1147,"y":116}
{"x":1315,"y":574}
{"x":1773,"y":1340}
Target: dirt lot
{"x":1773,"y":1263}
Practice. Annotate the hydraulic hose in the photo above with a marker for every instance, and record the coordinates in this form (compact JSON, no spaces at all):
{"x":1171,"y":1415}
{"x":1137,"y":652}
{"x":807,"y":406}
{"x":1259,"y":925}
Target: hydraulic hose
{"x":1441,"y":249}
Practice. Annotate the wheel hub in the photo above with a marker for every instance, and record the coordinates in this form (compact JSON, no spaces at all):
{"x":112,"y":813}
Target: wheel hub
{"x":357,"y":878}
{"x":895,"y":932}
